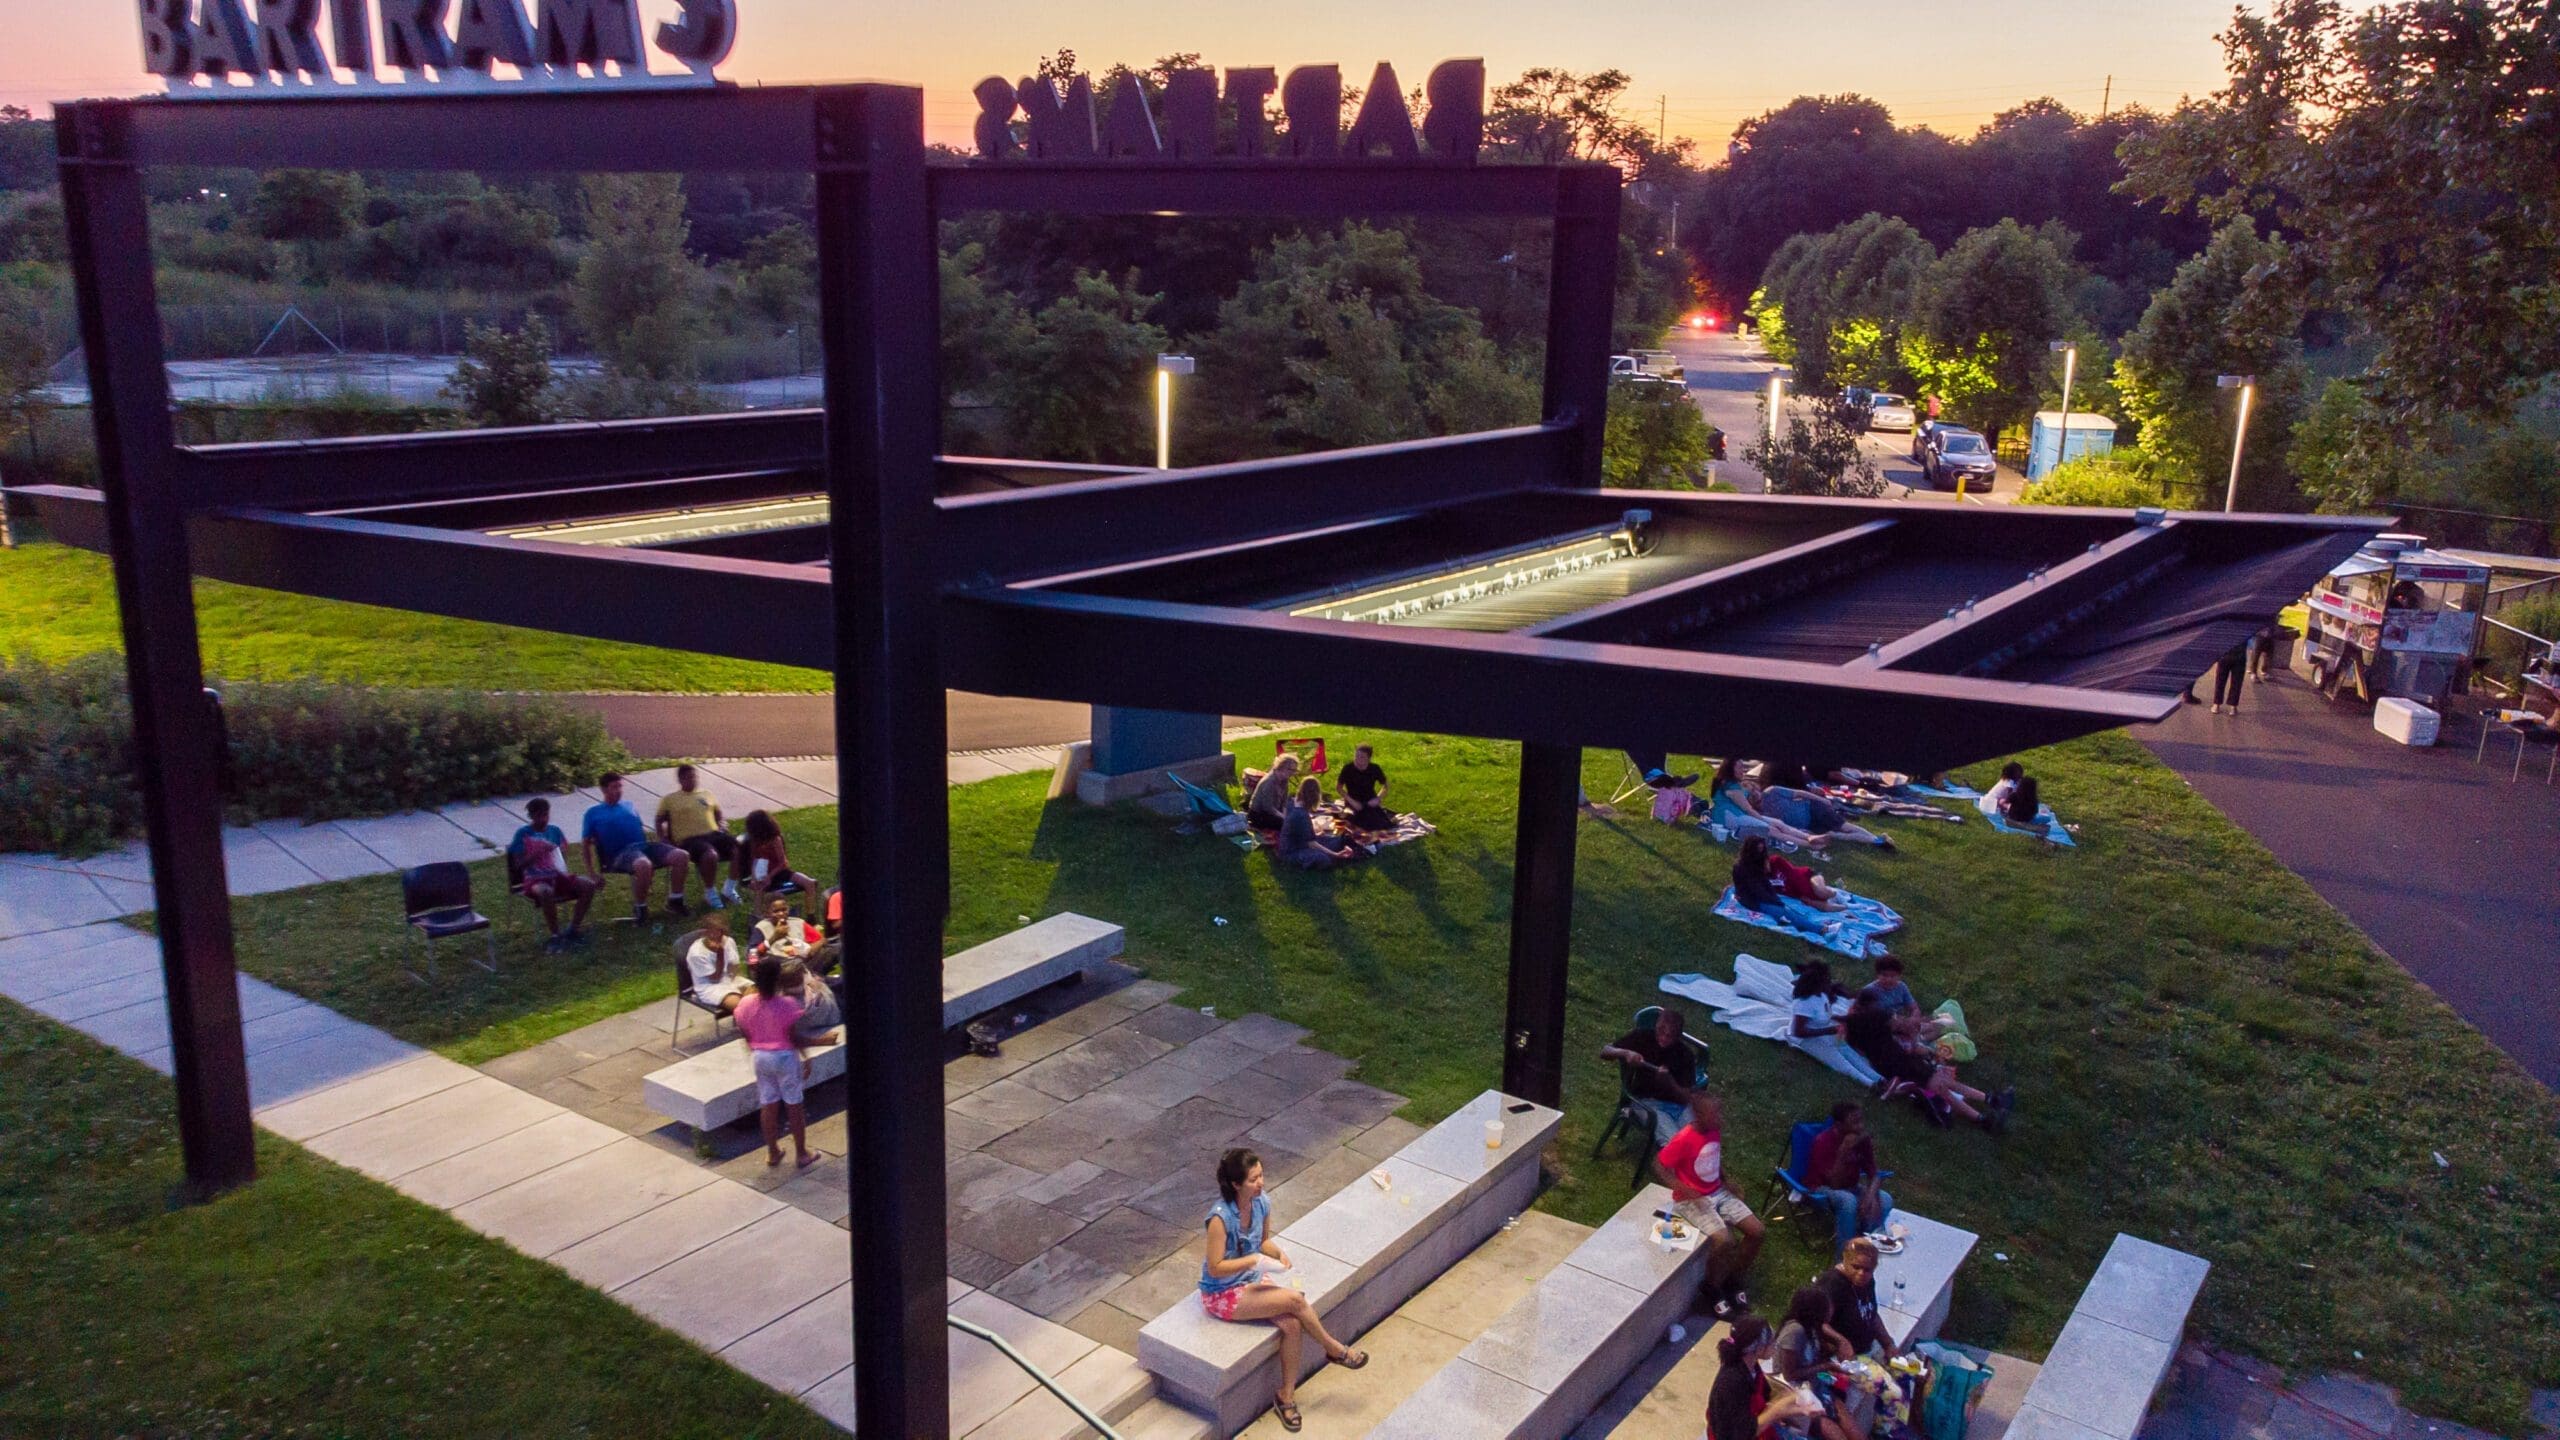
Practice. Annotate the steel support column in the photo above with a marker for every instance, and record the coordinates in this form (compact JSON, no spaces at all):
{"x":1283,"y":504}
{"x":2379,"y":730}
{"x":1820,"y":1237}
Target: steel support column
{"x":876,"y":274}
{"x":176,"y":731}
{"x":1541,"y":921}
{"x":1582,"y":302}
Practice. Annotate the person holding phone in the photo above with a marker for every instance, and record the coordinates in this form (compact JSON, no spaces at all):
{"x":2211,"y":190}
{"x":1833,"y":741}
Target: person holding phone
{"x":764,"y":861}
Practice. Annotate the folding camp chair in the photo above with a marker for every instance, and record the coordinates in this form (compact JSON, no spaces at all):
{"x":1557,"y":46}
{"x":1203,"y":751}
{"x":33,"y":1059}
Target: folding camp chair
{"x":1790,"y":1195}
{"x":1633,"y":1115}
{"x":1631,"y":783}
{"x":1206,"y":804}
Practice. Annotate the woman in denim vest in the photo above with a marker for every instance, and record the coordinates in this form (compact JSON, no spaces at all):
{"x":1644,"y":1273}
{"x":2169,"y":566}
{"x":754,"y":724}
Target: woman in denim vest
{"x":1231,"y":1287}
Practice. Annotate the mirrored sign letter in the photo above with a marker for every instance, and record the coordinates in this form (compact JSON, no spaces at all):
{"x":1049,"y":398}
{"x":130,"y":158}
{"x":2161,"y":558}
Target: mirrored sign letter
{"x":492,"y":30}
{"x":701,"y":35}
{"x":225,"y":44}
{"x":995,"y":118}
{"x":168,"y":38}
{"x":413,"y":35}
{"x":1454,"y":125}
{"x":1061,"y":129}
{"x":1190,"y":119}
{"x":1249,"y":90}
{"x":1312,"y":99}
{"x":289,"y":38}
{"x":1383,"y":118}
{"x":1130,"y":129}
{"x":589,"y":33}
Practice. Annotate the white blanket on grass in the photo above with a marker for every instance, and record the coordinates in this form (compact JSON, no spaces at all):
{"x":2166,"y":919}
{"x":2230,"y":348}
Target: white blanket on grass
{"x":1758,"y":1003}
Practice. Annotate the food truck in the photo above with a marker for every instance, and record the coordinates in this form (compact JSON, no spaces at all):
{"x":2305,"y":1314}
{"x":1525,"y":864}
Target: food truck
{"x":2396,"y":619}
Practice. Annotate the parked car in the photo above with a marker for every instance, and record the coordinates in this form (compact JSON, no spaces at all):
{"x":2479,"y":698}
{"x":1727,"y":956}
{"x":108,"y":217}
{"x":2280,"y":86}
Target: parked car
{"x":1888,"y":411}
{"x":1956,"y":454}
{"x":1631,"y":367}
{"x":1663,"y":364}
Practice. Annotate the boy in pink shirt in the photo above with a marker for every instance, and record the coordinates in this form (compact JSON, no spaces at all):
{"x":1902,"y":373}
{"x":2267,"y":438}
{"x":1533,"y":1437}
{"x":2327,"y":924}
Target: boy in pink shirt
{"x":766,"y":1018}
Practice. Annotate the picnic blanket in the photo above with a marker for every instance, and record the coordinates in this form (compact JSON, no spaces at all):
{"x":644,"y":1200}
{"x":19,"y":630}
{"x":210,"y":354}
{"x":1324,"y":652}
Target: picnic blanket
{"x":1956,"y":790}
{"x":2054,"y":833}
{"x":1852,"y":932}
{"x":1408,"y":826}
{"x":1756,"y":1004}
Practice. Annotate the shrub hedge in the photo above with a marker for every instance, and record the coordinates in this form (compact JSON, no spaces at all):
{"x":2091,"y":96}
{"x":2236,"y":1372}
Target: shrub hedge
{"x":302,"y":750}
{"x":2095,"y":480}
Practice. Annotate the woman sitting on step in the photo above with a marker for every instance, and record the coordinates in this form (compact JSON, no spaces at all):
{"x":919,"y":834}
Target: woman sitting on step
{"x":1231,"y":1283}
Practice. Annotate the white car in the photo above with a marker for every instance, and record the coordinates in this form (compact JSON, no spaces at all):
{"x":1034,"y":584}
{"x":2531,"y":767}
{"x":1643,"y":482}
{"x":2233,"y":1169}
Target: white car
{"x":1632,"y":367}
{"x":1887,"y":411}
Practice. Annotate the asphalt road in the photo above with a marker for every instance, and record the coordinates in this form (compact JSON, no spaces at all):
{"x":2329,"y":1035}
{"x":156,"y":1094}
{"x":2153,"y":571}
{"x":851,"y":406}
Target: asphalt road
{"x":2448,"y":865}
{"x":756,"y":727}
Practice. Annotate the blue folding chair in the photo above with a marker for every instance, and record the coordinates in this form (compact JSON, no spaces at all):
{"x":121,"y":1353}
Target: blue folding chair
{"x":1790,"y":1194}
{"x":1206,"y":804}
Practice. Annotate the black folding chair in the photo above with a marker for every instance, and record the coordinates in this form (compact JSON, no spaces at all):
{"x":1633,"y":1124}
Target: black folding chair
{"x":1633,"y":1115}
{"x":438,"y":901}
{"x":684,"y":991}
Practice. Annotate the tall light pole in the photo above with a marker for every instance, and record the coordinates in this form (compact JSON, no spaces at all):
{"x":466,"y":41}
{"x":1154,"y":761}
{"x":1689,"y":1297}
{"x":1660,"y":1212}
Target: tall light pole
{"x":1777,"y":383}
{"x":2070,"y":361}
{"x":1167,"y":366}
{"x":2247,"y":385}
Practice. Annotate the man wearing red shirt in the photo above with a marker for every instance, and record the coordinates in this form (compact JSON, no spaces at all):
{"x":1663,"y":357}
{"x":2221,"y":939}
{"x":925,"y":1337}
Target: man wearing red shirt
{"x":1693,"y":1163}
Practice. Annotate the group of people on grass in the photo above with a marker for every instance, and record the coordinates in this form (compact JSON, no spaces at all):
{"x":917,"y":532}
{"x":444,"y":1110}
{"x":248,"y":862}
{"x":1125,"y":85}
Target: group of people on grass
{"x":1892,"y":1042}
{"x":690,"y":835}
{"x":1779,"y":804}
{"x":1284,"y":803}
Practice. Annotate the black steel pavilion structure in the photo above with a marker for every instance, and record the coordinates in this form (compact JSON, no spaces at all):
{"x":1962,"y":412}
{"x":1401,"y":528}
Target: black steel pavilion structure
{"x":1481,"y":584}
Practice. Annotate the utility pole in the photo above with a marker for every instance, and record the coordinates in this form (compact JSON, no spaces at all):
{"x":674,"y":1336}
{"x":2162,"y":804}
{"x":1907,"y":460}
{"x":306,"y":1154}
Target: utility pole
{"x":1662,"y":123}
{"x":2106,"y":97}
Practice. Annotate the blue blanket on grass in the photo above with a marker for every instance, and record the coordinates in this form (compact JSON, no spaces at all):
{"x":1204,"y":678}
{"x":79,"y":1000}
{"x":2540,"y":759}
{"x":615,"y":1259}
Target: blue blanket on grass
{"x":2053,"y":834}
{"x":1852,"y":932}
{"x":1957,"y":791}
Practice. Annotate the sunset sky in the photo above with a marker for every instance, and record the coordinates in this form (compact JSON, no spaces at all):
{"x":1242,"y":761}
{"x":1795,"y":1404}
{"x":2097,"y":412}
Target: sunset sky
{"x":1941,"y":63}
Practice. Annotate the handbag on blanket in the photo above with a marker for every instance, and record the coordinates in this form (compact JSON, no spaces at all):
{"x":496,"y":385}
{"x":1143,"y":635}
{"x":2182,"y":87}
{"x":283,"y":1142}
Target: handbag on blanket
{"x":1671,"y":805}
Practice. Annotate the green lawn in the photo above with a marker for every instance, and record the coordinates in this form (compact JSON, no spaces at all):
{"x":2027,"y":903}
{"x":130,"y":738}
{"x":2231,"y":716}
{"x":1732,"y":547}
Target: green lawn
{"x":57,"y":602}
{"x":2206,"y":1054}
{"x":313,"y":1302}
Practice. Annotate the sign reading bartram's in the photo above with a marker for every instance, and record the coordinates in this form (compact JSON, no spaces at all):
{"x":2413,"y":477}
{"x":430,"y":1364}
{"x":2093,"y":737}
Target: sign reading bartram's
{"x":183,"y":40}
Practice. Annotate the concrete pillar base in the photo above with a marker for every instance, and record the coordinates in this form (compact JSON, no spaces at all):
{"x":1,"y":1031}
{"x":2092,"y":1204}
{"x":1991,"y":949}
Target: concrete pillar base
{"x":1211,"y":771}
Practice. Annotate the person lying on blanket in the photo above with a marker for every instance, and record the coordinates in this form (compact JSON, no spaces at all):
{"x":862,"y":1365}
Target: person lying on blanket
{"x":1798,"y":882}
{"x":1815,"y":815}
{"x":1753,"y":888}
{"x":1870,"y":1032}
{"x":1732,"y":803}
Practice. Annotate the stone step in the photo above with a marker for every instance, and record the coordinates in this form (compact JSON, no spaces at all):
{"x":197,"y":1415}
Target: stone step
{"x":1108,"y":1381}
{"x":1161,"y":1419}
{"x":1427,"y":1331}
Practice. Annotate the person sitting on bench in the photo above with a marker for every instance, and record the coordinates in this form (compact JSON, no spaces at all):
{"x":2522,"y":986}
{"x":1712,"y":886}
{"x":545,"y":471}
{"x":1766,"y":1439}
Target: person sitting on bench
{"x":1659,"y":1069}
{"x":1842,"y":1166}
{"x":1363,"y":784}
{"x":821,"y":1019}
{"x":783,"y":935}
{"x":1300,"y":845}
{"x":718,"y":977}
{"x":1851,"y":1287}
{"x":1694,"y":1164}
{"x":1237,"y":1253}
{"x":1268,"y":807}
{"x":765,"y":860}
{"x":616,"y":842}
{"x":1806,"y":1344}
{"x":689,"y":818}
{"x":541,"y":856}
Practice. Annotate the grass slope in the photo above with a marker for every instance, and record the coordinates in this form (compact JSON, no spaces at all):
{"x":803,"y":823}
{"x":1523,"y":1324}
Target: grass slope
{"x":2207,"y":1055}
{"x":313,"y":1302}
{"x":57,"y":602}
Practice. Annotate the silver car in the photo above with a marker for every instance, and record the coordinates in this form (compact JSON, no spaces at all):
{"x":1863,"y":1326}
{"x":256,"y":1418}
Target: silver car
{"x":1887,"y":411}
{"x":1957,"y":456}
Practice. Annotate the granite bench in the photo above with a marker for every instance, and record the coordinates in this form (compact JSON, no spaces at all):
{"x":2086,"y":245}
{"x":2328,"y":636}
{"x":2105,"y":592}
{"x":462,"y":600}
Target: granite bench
{"x":1551,"y":1359}
{"x":1926,"y":1268}
{"x":1359,"y":1255}
{"x":2114,"y":1351}
{"x":717,"y":1086}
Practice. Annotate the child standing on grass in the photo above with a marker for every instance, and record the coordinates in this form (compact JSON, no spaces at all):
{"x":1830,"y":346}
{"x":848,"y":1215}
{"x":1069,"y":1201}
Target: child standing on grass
{"x":766,"y":1018}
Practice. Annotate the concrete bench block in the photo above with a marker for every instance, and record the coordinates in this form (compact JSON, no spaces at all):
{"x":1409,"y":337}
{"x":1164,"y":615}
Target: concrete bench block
{"x":1549,"y":1360}
{"x":2145,"y":1288}
{"x":717,"y":1086}
{"x":1010,"y":966}
{"x":1361,"y":1253}
{"x":711,"y":1089}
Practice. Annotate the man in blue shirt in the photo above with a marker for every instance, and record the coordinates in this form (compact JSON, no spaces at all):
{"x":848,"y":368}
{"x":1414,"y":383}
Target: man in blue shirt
{"x":538,"y":857}
{"x":617,"y":840}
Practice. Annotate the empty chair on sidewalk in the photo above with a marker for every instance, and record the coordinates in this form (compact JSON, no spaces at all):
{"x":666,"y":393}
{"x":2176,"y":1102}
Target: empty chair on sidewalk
{"x":437,"y":899}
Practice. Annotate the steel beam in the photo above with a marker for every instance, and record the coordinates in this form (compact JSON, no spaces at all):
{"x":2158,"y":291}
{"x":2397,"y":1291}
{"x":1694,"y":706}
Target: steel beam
{"x":876,"y":320}
{"x":1333,"y":189}
{"x":1582,"y":301}
{"x":1093,"y":523}
{"x":1057,"y":645}
{"x":600,"y":127}
{"x":1541,"y":922}
{"x":1666,"y":612}
{"x":1977,"y":640}
{"x":177,"y":730}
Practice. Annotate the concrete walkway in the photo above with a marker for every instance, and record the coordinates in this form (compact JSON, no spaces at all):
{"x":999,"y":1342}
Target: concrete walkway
{"x":2447,"y":865}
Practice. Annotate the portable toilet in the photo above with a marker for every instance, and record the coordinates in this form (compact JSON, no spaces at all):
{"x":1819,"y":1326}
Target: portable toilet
{"x":2046,"y":447}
